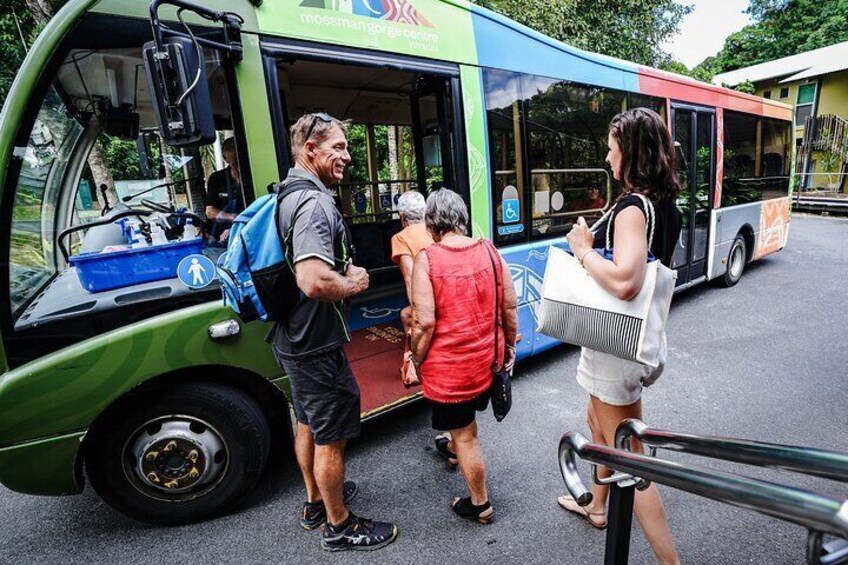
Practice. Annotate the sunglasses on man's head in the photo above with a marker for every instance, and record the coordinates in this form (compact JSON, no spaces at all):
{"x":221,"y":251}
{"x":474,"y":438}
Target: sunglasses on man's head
{"x":324,"y":117}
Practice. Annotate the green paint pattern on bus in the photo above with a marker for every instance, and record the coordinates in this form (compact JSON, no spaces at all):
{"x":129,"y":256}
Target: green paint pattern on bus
{"x":475,"y":128}
{"x":441,"y":32}
{"x":74,"y":385}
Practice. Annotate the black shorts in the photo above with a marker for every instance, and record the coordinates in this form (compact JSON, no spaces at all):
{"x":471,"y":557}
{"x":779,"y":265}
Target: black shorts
{"x":455,"y":415}
{"x":325,"y":395}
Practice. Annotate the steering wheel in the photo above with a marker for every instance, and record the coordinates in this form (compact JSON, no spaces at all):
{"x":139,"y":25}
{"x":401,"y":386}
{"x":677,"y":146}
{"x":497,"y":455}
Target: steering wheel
{"x":156,"y":207}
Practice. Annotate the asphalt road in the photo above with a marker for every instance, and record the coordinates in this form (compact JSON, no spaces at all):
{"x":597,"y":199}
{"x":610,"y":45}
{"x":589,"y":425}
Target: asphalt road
{"x":764,"y":360}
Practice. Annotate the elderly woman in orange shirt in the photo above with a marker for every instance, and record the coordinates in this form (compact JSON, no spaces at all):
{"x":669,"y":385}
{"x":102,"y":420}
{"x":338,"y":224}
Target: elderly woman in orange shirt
{"x":408,"y":242}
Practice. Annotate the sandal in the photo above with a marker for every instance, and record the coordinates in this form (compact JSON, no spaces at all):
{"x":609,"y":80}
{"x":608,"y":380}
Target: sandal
{"x":442,"y":441}
{"x":571,"y":505}
{"x":464,"y":508}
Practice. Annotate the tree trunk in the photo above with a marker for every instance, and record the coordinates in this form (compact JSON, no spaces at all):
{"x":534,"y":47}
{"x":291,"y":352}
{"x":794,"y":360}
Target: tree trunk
{"x":102,"y":176}
{"x":40,"y":10}
{"x":393,"y":152}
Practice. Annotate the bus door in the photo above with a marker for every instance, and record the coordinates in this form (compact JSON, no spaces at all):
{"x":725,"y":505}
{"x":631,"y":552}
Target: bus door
{"x":432,"y":133}
{"x":403,"y":134}
{"x":694,"y":139}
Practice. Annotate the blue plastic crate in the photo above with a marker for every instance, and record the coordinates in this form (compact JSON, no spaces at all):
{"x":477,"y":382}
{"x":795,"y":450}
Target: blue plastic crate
{"x":104,"y":271}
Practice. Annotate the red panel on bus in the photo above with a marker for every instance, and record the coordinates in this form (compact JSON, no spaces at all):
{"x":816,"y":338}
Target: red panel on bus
{"x":657,"y":83}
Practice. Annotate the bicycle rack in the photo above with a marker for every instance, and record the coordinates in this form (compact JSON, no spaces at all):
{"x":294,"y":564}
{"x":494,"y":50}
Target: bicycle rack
{"x":819,"y":514}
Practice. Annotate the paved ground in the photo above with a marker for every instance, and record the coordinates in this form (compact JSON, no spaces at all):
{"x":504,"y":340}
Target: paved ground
{"x":764,"y":360}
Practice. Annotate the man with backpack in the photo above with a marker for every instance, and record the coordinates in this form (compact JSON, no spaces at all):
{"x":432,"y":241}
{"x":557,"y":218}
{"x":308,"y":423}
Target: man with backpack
{"x":308,"y":341}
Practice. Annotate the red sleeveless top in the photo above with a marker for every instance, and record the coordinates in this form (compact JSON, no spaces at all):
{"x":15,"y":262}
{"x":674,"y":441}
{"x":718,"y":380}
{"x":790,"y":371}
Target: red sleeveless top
{"x":458,"y":366}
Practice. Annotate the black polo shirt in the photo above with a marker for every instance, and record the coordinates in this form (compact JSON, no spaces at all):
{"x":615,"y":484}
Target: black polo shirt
{"x":223,"y":192}
{"x":317,"y":231}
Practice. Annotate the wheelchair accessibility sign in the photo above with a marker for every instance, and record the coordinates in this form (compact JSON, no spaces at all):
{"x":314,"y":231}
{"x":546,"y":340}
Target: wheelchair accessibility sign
{"x":510,"y":205}
{"x":196,"y":271}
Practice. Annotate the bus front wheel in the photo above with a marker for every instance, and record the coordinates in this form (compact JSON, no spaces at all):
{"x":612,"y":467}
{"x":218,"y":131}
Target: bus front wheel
{"x":180,"y":454}
{"x":736,"y":259}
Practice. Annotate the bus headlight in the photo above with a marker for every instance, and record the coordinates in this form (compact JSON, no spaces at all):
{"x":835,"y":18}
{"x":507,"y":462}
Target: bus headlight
{"x":230,"y":328}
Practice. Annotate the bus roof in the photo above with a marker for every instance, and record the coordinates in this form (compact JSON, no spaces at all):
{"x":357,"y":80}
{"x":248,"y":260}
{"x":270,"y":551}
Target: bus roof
{"x":457,"y":31}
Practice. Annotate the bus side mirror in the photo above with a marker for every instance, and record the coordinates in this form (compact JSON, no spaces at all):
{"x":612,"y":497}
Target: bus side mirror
{"x":176,"y":78}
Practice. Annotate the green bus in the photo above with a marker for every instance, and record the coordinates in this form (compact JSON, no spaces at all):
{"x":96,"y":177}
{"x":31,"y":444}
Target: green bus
{"x":117,"y":369}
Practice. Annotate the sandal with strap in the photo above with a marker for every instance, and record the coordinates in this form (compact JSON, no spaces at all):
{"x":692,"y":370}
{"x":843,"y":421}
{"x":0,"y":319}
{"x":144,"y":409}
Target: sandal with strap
{"x":442,"y":442}
{"x":464,"y":508}
{"x":571,"y":505}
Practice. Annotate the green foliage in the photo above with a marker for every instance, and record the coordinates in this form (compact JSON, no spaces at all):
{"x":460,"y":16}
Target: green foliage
{"x":629,"y":29}
{"x":781,"y":28}
{"x":676,"y":67}
{"x":18,"y":30}
{"x":746,"y":87}
{"x":121,"y":158}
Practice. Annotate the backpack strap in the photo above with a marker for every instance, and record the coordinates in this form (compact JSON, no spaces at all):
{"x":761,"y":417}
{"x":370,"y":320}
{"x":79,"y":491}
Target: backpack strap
{"x":284,"y":189}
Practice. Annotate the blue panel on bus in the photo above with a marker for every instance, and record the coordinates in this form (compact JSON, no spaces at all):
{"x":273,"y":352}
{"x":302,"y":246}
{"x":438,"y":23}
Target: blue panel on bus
{"x":503,"y":44}
{"x":379,"y":311}
{"x":538,"y":262}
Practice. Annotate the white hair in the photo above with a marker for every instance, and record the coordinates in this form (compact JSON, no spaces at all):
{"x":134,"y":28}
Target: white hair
{"x":411,"y":205}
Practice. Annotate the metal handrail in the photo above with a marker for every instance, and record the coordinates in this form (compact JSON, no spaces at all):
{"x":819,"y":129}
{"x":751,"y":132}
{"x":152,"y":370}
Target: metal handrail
{"x":815,"y":462}
{"x":576,"y":171}
{"x":376,"y":182}
{"x":805,"y":508}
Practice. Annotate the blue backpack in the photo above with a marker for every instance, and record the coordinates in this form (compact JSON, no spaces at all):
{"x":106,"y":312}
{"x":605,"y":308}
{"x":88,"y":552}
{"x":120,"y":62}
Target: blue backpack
{"x":254,"y":273}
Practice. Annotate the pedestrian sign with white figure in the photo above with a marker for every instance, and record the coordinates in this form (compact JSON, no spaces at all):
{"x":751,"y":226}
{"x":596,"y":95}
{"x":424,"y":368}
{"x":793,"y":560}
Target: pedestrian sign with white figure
{"x":196,"y":271}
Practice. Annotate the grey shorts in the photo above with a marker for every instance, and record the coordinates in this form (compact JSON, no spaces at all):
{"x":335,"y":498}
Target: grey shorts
{"x":615,"y":381}
{"x":325,"y":395}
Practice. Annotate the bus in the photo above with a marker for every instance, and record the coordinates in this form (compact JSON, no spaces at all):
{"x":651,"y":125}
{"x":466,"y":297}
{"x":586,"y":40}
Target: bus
{"x":117,"y":370}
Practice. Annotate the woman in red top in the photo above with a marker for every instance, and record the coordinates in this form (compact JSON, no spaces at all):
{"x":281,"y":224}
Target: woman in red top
{"x":454,"y":292}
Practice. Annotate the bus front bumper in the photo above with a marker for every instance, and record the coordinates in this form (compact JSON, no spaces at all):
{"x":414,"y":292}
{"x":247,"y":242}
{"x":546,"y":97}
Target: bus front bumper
{"x":45,"y":466}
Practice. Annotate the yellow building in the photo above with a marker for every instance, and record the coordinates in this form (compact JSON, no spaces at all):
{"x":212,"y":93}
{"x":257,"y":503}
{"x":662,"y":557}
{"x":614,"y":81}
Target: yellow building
{"x":816,"y":83}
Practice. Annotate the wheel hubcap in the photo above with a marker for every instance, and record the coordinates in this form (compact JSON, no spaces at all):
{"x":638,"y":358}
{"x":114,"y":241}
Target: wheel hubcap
{"x":175,"y":455}
{"x":736,"y":262}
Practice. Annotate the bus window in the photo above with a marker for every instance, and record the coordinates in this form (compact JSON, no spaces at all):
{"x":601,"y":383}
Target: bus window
{"x":776,"y":157}
{"x":567,"y":127}
{"x":397,"y":139}
{"x":757,"y":158}
{"x":32,"y":261}
{"x":658,"y":105}
{"x":503,"y":104}
{"x":93,"y":169}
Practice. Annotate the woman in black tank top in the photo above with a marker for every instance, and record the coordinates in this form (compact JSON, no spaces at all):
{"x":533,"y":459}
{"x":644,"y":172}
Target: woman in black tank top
{"x":641,"y":155}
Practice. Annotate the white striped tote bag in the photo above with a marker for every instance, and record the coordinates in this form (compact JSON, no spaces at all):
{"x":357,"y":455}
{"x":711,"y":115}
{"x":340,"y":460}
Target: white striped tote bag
{"x":576,"y":309}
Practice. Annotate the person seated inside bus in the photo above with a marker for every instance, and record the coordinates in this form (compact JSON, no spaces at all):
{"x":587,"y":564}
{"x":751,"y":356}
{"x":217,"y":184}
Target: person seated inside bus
{"x":408,"y":242}
{"x":224,"y":198}
{"x":591,"y":200}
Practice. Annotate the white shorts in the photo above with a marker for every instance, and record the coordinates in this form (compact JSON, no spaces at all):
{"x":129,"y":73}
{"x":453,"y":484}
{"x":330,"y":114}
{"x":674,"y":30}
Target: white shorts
{"x":616,"y":381}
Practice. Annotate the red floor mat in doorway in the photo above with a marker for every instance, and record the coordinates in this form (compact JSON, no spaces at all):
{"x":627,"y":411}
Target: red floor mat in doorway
{"x":375,"y":355}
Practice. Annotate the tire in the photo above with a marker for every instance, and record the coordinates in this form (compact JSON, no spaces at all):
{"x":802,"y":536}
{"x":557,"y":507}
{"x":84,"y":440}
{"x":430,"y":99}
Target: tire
{"x":179,"y":454}
{"x":736,"y":259}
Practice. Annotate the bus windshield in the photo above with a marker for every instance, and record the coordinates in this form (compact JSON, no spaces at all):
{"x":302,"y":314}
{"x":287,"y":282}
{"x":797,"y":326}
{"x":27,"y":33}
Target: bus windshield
{"x":51,"y":143}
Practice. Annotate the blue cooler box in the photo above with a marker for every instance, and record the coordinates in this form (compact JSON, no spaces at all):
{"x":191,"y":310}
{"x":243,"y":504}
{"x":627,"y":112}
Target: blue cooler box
{"x":104,"y":271}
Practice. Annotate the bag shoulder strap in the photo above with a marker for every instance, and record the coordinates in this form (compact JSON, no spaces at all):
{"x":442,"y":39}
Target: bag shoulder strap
{"x":496,"y":267}
{"x":650,"y":221}
{"x":651,"y":215}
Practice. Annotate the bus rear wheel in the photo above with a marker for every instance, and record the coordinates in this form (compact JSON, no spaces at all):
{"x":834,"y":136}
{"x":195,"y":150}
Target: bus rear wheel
{"x":736,"y":259}
{"x":180,"y":454}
